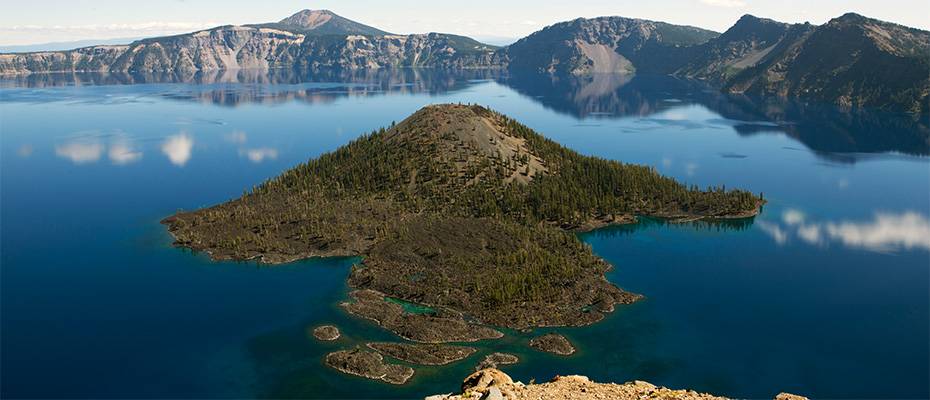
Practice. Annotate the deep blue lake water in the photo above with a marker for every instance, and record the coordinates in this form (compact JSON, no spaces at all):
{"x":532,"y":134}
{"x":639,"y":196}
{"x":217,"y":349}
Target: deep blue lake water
{"x":825,"y":294}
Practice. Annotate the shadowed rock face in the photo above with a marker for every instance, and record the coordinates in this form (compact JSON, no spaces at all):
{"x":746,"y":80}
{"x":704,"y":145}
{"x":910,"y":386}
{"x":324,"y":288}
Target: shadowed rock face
{"x":852,"y":61}
{"x":606,"y":44}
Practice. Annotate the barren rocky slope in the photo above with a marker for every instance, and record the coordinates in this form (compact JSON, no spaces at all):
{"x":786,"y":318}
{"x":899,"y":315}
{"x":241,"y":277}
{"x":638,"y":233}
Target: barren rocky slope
{"x":496,"y":385}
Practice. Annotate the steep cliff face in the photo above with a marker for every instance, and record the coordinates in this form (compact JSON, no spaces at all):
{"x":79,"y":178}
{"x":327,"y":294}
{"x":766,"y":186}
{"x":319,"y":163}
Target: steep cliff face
{"x":606,"y":44}
{"x":427,"y":50}
{"x":97,"y":58}
{"x":852,"y":61}
{"x":309,"y":38}
{"x":239,"y":47}
{"x":743,"y":46}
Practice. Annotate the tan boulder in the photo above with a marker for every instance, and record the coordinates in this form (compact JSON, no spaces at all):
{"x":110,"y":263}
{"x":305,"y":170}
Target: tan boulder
{"x":483,"y":380}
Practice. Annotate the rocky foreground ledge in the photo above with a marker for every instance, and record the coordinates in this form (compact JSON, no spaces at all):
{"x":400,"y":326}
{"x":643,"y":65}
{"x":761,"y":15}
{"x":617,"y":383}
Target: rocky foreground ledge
{"x":493,"y":384}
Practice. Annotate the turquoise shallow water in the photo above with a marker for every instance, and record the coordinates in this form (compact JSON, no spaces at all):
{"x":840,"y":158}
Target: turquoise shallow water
{"x":825,"y":294}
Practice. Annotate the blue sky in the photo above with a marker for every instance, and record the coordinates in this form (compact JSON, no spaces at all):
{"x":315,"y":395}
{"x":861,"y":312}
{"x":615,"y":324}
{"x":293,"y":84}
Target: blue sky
{"x":41,"y":21}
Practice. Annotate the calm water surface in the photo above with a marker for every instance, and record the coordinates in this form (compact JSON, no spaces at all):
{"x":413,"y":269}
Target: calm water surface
{"x":825,"y":294}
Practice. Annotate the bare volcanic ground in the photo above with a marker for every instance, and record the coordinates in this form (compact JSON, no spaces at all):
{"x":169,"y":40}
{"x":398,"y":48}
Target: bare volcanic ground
{"x":458,"y":208}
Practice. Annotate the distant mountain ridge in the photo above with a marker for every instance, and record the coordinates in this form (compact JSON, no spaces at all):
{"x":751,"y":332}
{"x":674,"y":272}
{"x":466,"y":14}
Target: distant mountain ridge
{"x":852,"y":60}
{"x":601,"y":45}
{"x":307,"y":39}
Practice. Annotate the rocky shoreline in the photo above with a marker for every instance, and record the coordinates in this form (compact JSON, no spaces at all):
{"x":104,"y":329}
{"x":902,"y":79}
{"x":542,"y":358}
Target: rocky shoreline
{"x":442,"y":327}
{"x":368,"y":364}
{"x":326,"y":333}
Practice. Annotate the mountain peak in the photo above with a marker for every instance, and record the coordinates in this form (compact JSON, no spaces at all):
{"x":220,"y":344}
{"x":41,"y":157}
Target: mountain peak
{"x":849,"y":17}
{"x":309,"y":19}
{"x":749,"y":19}
{"x":750,"y":27}
{"x":326,"y":22}
{"x":446,"y":127}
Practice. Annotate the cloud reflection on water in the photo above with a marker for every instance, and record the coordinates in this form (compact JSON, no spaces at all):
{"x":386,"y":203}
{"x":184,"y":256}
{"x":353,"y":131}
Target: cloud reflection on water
{"x":886,"y":232}
{"x":260,"y":154}
{"x":122,"y":153}
{"x":178,"y":148}
{"x":80,"y":152}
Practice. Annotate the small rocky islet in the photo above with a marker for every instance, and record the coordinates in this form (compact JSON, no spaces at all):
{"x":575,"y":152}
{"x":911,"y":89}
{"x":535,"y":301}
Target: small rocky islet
{"x":553,"y":343}
{"x":326,"y":333}
{"x":458,"y":209}
{"x":494,"y":360}
{"x":368,"y":364}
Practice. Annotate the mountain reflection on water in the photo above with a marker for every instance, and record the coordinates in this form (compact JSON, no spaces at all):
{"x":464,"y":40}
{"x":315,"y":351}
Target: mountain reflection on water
{"x":833,"y":133}
{"x":237,"y":87}
{"x":837,"y":135}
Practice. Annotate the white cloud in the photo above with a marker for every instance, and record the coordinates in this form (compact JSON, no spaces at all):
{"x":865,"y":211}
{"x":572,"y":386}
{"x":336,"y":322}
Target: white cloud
{"x":122,"y":153}
{"x":27,"y":34}
{"x":80,"y":152}
{"x":178,"y":148}
{"x":259,"y":155}
{"x":724,"y":3}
